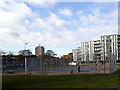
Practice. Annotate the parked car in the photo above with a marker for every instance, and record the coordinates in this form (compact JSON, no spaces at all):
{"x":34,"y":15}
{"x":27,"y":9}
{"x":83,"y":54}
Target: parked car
{"x":11,"y":71}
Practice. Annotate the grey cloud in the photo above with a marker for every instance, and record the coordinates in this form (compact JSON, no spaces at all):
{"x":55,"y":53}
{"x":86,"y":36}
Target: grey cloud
{"x":13,"y":34}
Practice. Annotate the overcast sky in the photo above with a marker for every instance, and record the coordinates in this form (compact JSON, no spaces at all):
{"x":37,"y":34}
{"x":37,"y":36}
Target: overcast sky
{"x":59,"y":26}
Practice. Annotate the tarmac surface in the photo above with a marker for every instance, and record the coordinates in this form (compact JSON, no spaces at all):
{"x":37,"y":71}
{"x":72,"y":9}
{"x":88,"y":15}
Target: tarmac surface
{"x":67,"y":70}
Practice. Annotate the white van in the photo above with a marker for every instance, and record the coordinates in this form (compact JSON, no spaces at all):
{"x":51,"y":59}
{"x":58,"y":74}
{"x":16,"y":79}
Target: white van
{"x":72,"y":63}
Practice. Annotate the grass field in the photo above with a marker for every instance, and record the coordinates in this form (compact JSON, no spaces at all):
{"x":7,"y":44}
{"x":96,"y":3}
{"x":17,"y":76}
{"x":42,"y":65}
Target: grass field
{"x":62,"y":81}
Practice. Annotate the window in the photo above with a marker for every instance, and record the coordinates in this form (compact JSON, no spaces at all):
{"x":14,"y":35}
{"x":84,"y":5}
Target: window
{"x":110,"y":40}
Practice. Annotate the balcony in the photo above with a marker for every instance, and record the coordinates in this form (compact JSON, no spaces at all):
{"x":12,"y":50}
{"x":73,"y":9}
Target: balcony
{"x":97,"y":43}
{"x":97,"y":46}
{"x":97,"y":53}
{"x":97,"y":50}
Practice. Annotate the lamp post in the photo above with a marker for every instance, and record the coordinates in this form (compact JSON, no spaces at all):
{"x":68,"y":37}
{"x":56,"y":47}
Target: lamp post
{"x":25,"y":59}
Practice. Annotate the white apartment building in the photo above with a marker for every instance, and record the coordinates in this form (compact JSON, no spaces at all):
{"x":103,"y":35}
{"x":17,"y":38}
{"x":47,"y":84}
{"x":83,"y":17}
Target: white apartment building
{"x":91,"y":50}
{"x":76,"y":54}
{"x":87,"y":50}
{"x":108,"y":45}
{"x":97,"y":50}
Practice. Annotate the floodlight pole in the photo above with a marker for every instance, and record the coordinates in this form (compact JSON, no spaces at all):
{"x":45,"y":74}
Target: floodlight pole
{"x":25,"y":60}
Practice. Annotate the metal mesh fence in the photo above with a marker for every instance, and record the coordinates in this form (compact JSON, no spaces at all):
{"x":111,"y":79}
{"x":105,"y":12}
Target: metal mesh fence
{"x":48,"y":66}
{"x":40,"y":66}
{"x":112,"y":64}
{"x":55,"y":66}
